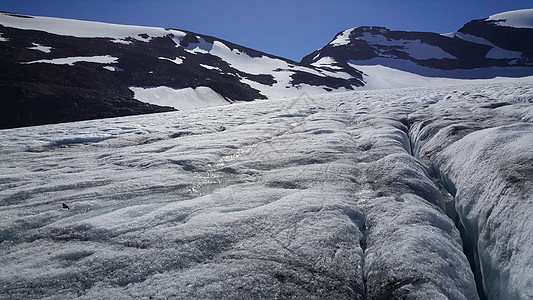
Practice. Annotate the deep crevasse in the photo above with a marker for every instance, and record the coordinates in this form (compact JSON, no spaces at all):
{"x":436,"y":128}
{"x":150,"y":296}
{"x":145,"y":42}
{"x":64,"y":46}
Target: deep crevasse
{"x":487,"y":166}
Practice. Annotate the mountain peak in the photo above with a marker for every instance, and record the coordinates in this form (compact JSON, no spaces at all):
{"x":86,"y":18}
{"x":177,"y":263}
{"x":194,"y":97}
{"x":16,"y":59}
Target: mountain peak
{"x":517,"y":18}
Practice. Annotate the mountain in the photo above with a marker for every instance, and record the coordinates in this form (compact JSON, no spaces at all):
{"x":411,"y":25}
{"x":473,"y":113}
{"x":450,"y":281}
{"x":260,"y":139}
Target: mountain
{"x":57,"y":70}
{"x":413,"y":193}
{"x":509,"y":34}
{"x":500,"y":45}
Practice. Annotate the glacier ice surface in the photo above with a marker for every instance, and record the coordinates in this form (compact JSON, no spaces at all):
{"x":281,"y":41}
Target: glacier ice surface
{"x":316,"y":197}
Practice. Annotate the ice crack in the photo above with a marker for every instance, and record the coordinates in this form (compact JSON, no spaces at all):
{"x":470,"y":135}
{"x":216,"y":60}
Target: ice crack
{"x":448,"y":187}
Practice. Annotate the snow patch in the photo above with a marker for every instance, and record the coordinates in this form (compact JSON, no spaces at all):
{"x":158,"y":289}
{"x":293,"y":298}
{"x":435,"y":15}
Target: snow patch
{"x":180,"y":99}
{"x":495,"y":53}
{"x":123,"y":42}
{"x":113,"y":69}
{"x":102,"y":59}
{"x":210,"y":67}
{"x":499,"y":53}
{"x":326,"y":61}
{"x":517,"y":18}
{"x":41,"y":48}
{"x":415,"y":48}
{"x":202,"y":47}
{"x":342,"y":39}
{"x":3,"y":39}
{"x":177,"y":60}
{"x":472,"y":38}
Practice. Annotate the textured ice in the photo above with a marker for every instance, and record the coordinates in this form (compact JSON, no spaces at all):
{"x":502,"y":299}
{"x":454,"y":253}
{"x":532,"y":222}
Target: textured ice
{"x":345,"y":196}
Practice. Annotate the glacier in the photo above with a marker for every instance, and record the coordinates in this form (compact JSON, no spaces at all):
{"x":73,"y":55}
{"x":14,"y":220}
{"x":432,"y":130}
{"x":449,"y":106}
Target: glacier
{"x":419,"y":193}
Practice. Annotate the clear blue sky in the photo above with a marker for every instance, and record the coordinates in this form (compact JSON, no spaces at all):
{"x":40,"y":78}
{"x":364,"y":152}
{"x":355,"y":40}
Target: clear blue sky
{"x":290,"y":28}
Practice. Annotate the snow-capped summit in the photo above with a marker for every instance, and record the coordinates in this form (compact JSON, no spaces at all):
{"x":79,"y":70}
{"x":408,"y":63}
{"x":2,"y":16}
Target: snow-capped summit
{"x":423,"y":48}
{"x":517,"y":18}
{"x":499,"y":46}
{"x":509,"y":34}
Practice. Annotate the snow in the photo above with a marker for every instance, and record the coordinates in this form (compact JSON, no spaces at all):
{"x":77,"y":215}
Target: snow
{"x":322,"y":196}
{"x":499,"y":53}
{"x":3,"y":39}
{"x":243,"y":62}
{"x":415,"y":48}
{"x":495,"y":53}
{"x":210,"y":67}
{"x":177,"y":60}
{"x":113,"y":68}
{"x":180,"y":99}
{"x":41,"y":48}
{"x":342,"y":39}
{"x":203,"y":47}
{"x":326,"y":61}
{"x":100,"y":59}
{"x":517,"y":18}
{"x":280,"y":69}
{"x":78,"y":28}
{"x":471,"y":38}
{"x":383,"y":73}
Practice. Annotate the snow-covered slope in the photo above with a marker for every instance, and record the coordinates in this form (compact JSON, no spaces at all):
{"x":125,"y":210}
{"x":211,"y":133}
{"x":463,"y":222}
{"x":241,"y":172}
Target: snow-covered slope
{"x":63,"y":70}
{"x":359,"y":195}
{"x":517,"y":18}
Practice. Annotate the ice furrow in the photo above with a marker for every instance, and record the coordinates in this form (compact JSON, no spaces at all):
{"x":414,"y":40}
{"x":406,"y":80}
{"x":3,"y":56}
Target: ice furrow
{"x":405,"y":211}
{"x":474,"y":166}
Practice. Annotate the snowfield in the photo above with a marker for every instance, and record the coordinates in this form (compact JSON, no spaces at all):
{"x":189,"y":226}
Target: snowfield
{"x":102,"y":59}
{"x":361,"y":195}
{"x":89,"y":29}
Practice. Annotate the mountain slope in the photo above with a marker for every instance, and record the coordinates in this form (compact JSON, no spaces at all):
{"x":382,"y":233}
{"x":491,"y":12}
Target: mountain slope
{"x":510,"y":35}
{"x":480,"y":50}
{"x":63,"y":70}
{"x":57,"y":70}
